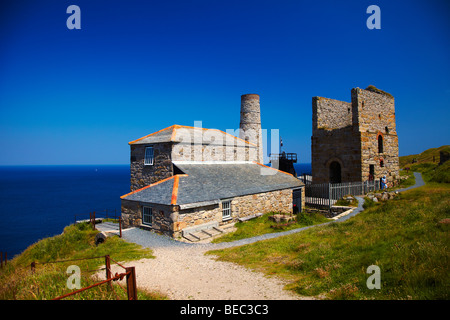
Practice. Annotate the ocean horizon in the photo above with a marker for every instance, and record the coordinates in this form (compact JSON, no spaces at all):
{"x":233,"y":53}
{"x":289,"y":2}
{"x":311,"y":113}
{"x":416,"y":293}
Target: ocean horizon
{"x":38,"y":201}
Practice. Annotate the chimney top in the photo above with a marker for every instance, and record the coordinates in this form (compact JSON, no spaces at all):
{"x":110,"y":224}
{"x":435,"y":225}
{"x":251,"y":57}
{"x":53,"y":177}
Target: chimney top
{"x":250,"y":96}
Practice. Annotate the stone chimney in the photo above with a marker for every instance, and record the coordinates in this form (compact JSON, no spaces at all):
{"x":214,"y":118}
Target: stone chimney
{"x":250,"y":125}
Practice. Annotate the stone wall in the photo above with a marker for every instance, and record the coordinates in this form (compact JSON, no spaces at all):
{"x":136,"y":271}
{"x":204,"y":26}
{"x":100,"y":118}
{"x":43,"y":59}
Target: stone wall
{"x":214,"y":152}
{"x":213,"y":149}
{"x":374,"y":117}
{"x":348,"y":134}
{"x":142,"y":175}
{"x":277,"y":201}
{"x":338,"y":145}
{"x":331,"y":114}
{"x":162,"y":215}
{"x":171,"y":220}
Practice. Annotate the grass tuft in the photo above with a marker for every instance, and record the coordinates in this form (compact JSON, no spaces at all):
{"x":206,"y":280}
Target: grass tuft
{"x":49,"y":280}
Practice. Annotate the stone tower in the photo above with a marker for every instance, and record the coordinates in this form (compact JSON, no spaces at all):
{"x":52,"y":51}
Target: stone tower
{"x":354,"y":141}
{"x":250,"y":125}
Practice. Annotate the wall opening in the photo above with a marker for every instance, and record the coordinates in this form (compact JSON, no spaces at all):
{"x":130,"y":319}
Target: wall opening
{"x":380,"y":144}
{"x":371,"y":172}
{"x":335,"y":172}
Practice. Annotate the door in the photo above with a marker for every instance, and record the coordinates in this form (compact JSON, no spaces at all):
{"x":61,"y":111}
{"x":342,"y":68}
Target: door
{"x":297,"y":201}
{"x":335,"y":172}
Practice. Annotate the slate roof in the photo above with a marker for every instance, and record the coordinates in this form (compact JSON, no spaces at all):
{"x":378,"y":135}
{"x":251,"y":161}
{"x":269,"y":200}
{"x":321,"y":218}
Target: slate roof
{"x":177,"y":133}
{"x":210,"y":182}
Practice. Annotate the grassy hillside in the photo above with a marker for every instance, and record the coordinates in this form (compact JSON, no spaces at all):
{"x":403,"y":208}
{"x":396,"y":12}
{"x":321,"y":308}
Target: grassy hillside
{"x":408,"y":238}
{"x":424,"y":157}
{"x":18,"y":282}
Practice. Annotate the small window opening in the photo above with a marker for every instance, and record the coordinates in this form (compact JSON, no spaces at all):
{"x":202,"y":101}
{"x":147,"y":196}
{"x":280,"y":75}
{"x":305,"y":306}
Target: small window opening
{"x":147,"y":215}
{"x":148,"y":161}
{"x":380,"y":144}
{"x":226,"y":210}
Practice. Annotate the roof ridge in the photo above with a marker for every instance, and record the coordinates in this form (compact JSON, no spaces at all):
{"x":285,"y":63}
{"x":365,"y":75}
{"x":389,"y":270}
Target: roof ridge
{"x":174,"y":127}
{"x":176,"y":180}
{"x":175,"y":190}
{"x":263,"y":165}
{"x":149,"y":135}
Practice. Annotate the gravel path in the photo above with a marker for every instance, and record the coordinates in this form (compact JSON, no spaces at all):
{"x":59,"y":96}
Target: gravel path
{"x":183,"y":271}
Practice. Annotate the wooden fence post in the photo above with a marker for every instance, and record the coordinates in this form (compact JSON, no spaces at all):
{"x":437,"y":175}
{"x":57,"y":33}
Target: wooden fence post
{"x":329,"y":197}
{"x":120,"y":227}
{"x":108,"y":270}
{"x":131,"y":283}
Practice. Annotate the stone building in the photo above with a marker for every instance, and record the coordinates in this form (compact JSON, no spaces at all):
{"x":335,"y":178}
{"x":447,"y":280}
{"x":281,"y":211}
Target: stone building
{"x":354,"y":141}
{"x":185,"y":179}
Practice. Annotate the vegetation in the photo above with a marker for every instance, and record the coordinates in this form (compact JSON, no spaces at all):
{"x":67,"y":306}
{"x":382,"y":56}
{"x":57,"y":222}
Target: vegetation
{"x":407,"y":237}
{"x":263,"y":225}
{"x":375,"y":89}
{"x":346,"y":202}
{"x":49,"y":279}
{"x":425,"y":157}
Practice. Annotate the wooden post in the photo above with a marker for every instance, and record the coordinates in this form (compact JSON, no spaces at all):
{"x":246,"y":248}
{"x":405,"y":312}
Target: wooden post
{"x":108,"y":269}
{"x":93,"y":220}
{"x":120,"y":227}
{"x":131,"y":283}
{"x":329,"y":197}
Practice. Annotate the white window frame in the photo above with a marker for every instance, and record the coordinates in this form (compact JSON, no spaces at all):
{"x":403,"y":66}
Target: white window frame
{"x":144,"y":215}
{"x":149,"y":156}
{"x":226,"y":209}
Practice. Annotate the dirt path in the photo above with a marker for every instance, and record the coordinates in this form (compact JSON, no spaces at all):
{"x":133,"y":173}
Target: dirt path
{"x":187,"y":273}
{"x":183,"y":271}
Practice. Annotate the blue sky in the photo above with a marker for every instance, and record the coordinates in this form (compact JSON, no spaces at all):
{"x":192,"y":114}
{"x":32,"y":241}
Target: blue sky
{"x":135,"y":67}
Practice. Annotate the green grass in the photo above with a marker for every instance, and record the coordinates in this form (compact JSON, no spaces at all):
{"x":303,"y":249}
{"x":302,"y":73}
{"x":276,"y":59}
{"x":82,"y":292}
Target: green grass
{"x":425,"y":156}
{"x":406,"y":237}
{"x":49,"y":279}
{"x":263,"y":225}
{"x":349,"y":203}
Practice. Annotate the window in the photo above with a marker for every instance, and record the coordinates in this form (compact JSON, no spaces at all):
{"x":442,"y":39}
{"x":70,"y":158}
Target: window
{"x":226,"y":210}
{"x":147,"y":215}
{"x":380,"y":144}
{"x":148,"y":161}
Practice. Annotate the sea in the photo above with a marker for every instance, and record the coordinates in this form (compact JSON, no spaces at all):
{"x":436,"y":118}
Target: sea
{"x":37,"y":202}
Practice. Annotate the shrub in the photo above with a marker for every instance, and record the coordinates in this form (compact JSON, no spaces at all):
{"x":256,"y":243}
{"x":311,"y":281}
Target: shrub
{"x":304,"y":219}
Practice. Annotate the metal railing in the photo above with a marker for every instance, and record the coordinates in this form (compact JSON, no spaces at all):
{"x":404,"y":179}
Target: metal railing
{"x":100,"y":215}
{"x":325,"y":195}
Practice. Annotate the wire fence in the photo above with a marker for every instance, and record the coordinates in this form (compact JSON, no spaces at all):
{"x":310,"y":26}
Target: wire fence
{"x":129,"y":274}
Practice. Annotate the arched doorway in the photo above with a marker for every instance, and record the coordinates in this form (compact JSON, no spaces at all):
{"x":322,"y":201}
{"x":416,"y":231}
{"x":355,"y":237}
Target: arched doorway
{"x":335,"y":172}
